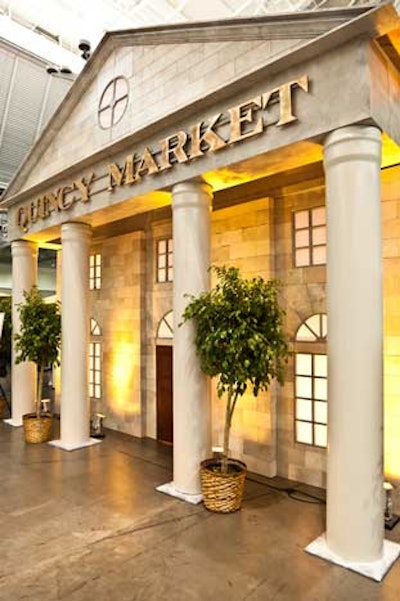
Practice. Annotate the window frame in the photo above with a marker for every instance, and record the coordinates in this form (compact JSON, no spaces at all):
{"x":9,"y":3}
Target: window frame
{"x":314,"y":344}
{"x":95,"y":388}
{"x":311,"y":247}
{"x":95,"y":271}
{"x":312,"y":399}
{"x":168,"y":268}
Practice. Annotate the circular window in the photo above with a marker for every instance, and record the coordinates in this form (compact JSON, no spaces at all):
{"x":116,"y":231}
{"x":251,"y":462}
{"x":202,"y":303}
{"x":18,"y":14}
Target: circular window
{"x":113,"y":102}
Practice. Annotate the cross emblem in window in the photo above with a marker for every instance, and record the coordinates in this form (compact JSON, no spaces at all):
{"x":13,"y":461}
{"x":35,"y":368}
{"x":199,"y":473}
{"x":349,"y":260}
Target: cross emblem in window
{"x":113,"y":102}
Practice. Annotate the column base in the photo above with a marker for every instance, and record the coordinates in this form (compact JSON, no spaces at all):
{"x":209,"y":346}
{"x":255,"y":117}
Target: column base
{"x":372,"y":569}
{"x":170,"y":489}
{"x":67,"y":446}
{"x":17,"y":423}
{"x":390,"y":523}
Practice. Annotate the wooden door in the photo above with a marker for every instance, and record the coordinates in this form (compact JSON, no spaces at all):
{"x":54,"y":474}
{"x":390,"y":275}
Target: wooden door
{"x":164,"y":394}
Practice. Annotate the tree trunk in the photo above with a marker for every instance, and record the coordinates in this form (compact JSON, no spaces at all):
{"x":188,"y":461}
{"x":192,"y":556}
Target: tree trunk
{"x":227,"y":430}
{"x":39,"y":389}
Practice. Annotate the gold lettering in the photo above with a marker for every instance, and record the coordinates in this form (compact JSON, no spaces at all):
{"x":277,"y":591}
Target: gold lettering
{"x":23,"y":219}
{"x":34,"y":216}
{"x":64,"y":204}
{"x":41,"y":211}
{"x":120,"y":177}
{"x":209,"y":136}
{"x":50,"y":204}
{"x":147,"y":164}
{"x":285,"y":99}
{"x":83,"y":187}
{"x":242,"y":114}
{"x":177,"y":151}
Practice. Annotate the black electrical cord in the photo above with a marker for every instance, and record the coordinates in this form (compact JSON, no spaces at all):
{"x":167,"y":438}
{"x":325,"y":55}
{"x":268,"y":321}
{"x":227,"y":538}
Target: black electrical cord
{"x":292,"y":493}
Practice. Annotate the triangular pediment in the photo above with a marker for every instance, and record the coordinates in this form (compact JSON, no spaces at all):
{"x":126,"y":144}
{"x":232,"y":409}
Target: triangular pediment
{"x":157,"y":72}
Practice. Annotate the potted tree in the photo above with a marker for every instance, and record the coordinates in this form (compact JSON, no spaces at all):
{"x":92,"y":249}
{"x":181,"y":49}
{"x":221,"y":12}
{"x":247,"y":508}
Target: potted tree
{"x":39,"y":340}
{"x":240,"y":341}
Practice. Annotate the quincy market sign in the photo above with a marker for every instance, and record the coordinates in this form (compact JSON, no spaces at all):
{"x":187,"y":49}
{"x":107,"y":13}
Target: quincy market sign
{"x":243,"y":121}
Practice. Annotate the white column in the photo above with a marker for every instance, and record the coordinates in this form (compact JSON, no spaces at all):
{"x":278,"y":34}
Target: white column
{"x":191,"y":206}
{"x":23,"y":375}
{"x":74,"y":410}
{"x":355,"y":512}
{"x":355,"y":523}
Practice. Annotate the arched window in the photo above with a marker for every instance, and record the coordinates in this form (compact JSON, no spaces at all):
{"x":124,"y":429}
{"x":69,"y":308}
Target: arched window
{"x":311,"y":381}
{"x":94,"y":328}
{"x":165,"y":328}
{"x":94,"y":360}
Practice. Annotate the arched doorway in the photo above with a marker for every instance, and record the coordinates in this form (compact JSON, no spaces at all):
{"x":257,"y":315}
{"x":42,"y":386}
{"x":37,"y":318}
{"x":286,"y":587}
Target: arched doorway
{"x":164,"y":386}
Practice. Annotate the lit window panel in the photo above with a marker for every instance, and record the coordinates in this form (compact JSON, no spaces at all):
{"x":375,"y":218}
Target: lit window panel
{"x":311,"y":396}
{"x":165,"y":261}
{"x":309,"y":237}
{"x":95,"y":370}
{"x":95,"y":272}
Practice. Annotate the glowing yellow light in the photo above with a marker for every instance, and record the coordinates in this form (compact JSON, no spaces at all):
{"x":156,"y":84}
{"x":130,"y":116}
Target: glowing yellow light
{"x":124,"y":377}
{"x":392,"y":410}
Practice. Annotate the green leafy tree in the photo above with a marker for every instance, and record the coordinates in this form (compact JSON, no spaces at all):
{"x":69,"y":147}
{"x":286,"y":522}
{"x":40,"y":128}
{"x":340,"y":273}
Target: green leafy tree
{"x":239,"y":337}
{"x":39,"y":339}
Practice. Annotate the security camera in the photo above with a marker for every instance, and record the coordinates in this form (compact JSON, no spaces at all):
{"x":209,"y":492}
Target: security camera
{"x":84,"y":47}
{"x":65,"y":70}
{"x":51,"y":69}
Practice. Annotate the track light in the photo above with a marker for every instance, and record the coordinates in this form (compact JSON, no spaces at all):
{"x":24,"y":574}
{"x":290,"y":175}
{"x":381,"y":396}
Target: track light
{"x":63,"y":71}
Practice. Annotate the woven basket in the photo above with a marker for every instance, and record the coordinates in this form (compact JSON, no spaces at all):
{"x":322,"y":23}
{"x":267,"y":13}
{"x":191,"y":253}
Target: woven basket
{"x":222,"y":492}
{"x":37,"y":429}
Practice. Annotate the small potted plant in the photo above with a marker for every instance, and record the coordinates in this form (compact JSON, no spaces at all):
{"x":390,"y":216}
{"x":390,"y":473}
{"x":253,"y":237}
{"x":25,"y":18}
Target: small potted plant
{"x":39,"y":341}
{"x":240,"y":341}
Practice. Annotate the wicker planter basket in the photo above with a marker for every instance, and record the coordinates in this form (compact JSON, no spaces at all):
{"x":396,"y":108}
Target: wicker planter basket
{"x":37,"y":429}
{"x":222,"y":492}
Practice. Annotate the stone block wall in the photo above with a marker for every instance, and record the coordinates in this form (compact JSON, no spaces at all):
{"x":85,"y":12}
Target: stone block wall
{"x":256,"y":237}
{"x":162,"y":79}
{"x":118,"y":309}
{"x":391,"y":315}
{"x":243,"y":236}
{"x":158,"y":304}
{"x":303,"y":294}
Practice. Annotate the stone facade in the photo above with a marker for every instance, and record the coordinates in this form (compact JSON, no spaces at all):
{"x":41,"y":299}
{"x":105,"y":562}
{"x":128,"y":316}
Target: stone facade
{"x":255,"y":236}
{"x":251,"y":108}
{"x":118,"y":309}
{"x":161,"y":82}
{"x":391,"y":308}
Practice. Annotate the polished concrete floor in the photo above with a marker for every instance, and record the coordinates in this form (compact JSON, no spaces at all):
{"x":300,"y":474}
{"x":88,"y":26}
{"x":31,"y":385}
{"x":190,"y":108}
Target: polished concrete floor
{"x":90,"y":526}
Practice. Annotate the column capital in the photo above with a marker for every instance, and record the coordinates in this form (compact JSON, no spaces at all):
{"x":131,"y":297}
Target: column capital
{"x":191,"y":193}
{"x":354,"y":142}
{"x":20,"y":248}
{"x":74,"y":230}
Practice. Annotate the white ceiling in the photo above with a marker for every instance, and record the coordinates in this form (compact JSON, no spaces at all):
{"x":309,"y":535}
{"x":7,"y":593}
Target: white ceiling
{"x":73,"y":20}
